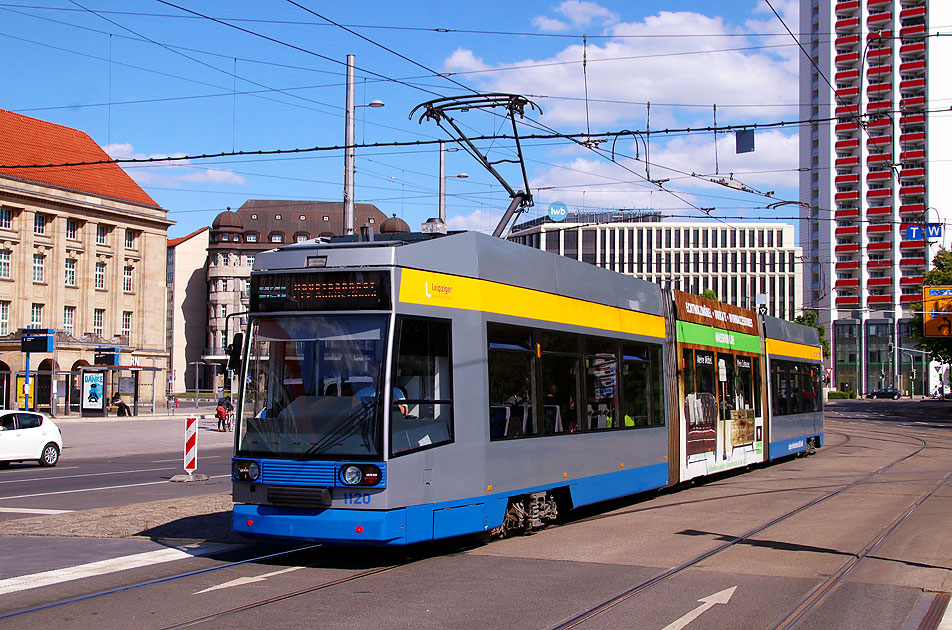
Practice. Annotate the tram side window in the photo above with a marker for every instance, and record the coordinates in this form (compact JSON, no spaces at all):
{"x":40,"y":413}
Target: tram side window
{"x":601,"y":367}
{"x":726,"y":384}
{"x":422,"y":374}
{"x":559,"y":357}
{"x":795,"y":388}
{"x":637,"y":386}
{"x":511,"y":380}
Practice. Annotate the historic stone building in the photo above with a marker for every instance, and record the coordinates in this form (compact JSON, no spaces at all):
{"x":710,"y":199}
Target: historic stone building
{"x":81,"y":252}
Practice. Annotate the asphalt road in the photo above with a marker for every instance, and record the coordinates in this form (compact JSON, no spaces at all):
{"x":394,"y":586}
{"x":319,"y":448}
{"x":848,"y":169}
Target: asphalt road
{"x":116,"y":462}
{"x":855,"y":536}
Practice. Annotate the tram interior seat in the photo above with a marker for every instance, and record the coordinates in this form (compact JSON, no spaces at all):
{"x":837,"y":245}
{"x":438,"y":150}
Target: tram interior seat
{"x":519,"y":422}
{"x":598,"y":416}
{"x":498,"y":421}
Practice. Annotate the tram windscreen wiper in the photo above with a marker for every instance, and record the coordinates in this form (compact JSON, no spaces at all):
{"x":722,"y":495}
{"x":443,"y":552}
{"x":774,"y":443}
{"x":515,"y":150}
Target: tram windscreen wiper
{"x":343,"y":429}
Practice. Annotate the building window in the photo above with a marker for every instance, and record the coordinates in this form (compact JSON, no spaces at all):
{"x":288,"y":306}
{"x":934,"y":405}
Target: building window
{"x":127,"y":279}
{"x":300,"y":238}
{"x":4,"y":263}
{"x":69,"y":318}
{"x":249,"y":260}
{"x":303,"y":218}
{"x":98,"y":315}
{"x":127,"y":323}
{"x":277,"y":217}
{"x":277,"y":237}
{"x":99,"y":279}
{"x":39,"y":224}
{"x":327,"y":218}
{"x":224,"y":339}
{"x":224,"y":310}
{"x":101,"y":233}
{"x":39,"y":267}
{"x":36,"y":316}
{"x":130,"y":239}
{"x":251,"y":237}
{"x":4,"y":318}
{"x":6,"y":218}
{"x":69,"y":272}
{"x":72,"y":227}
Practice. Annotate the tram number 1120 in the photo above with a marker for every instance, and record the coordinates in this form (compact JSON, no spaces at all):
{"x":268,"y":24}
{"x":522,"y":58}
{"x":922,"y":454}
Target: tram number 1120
{"x":356,"y":497}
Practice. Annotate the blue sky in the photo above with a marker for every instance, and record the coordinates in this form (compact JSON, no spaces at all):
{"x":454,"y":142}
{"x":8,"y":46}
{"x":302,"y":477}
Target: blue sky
{"x":150,"y":78}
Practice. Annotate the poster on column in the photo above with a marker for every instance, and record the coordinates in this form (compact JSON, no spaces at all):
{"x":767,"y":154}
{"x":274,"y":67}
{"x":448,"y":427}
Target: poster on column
{"x":93,"y":390}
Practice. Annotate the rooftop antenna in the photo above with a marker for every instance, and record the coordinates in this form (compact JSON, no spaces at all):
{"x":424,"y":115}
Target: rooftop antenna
{"x":439,"y":110}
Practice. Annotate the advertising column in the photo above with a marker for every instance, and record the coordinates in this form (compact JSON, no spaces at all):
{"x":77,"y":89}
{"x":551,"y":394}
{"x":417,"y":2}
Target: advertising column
{"x":93,"y":393}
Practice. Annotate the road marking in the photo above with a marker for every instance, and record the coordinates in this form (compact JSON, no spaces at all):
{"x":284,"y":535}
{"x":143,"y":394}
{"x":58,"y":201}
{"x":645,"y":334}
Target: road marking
{"x":26,"y":510}
{"x":246,"y":580}
{"x":114,"y":472}
{"x":706,"y":604}
{"x":128,"y":485}
{"x":92,"y":569}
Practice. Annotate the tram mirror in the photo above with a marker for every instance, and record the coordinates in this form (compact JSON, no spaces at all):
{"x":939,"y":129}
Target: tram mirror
{"x":234,"y":352}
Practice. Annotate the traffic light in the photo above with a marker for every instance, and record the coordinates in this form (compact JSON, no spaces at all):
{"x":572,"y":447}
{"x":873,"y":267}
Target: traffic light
{"x":890,"y":347}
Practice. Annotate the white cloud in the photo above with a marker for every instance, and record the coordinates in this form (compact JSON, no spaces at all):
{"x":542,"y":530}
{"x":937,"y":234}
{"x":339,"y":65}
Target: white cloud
{"x":582,"y":13}
{"x":478,"y":221}
{"x":169,"y":174}
{"x":549,"y":25}
{"x":463,"y":60}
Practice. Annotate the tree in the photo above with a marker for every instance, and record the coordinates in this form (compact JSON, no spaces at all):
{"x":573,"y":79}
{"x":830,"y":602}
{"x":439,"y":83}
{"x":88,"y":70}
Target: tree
{"x":809,"y":319}
{"x":940,"y":275}
{"x":709,"y":293}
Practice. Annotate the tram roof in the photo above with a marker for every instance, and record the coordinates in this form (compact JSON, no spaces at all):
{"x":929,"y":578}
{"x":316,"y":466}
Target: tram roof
{"x":776,"y":328}
{"x":473,"y":255}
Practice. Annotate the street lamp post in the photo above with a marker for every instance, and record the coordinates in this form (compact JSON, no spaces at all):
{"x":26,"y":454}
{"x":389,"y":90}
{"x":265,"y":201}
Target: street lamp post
{"x":349,"y":149}
{"x":443,"y":151}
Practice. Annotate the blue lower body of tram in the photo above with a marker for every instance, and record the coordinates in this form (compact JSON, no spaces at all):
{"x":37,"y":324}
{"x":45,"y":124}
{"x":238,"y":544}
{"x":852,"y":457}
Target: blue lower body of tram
{"x":418,"y":523}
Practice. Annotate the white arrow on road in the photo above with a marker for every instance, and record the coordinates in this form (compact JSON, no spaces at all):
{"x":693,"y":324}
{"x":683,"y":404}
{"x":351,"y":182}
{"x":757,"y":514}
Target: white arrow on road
{"x":706,"y":603}
{"x":250,"y":580}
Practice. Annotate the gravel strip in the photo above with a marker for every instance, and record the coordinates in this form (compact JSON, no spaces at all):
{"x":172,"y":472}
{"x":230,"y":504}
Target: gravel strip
{"x":204,"y":518}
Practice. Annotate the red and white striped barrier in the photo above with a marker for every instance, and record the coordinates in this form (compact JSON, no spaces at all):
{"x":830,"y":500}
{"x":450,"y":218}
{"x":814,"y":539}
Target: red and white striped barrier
{"x":191,"y":445}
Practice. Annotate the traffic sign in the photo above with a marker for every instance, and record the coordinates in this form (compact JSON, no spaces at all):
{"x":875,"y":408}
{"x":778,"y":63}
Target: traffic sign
{"x":937,"y":311}
{"x":191,"y":445}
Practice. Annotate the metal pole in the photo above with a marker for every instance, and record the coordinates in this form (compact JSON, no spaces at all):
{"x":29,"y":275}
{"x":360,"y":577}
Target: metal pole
{"x":443,"y":182}
{"x":349,"y":151}
{"x":26,"y":385}
{"x":196,"y":384}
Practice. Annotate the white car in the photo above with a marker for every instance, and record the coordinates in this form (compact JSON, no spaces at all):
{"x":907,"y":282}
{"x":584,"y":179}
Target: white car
{"x":28,"y":435}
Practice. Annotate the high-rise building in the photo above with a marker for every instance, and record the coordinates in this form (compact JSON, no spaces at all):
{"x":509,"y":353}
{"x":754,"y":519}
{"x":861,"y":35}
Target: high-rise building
{"x":876,"y":171}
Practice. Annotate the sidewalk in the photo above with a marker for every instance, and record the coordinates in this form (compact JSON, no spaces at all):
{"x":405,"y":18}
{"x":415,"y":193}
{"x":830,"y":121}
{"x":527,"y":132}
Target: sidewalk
{"x":104,"y":438}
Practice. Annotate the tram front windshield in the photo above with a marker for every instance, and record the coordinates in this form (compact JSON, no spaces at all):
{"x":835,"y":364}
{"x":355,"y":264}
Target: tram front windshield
{"x":311,"y":387}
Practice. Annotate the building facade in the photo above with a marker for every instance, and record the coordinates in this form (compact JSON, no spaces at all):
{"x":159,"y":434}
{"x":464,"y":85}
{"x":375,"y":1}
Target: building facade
{"x":876,"y":171}
{"x":234,"y":239}
{"x":738,"y":262}
{"x":81,"y":252}
{"x":187,"y":288}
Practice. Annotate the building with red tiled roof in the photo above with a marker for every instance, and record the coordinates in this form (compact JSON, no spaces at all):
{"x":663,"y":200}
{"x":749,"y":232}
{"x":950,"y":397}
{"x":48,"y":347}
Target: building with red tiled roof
{"x":82,"y":252}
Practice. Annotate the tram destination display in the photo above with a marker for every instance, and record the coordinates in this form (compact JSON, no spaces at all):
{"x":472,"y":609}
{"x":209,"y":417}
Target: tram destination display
{"x":322,"y":291}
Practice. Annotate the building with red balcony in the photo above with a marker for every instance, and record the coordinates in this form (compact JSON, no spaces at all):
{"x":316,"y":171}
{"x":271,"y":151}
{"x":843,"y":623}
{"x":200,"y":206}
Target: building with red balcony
{"x":879,"y":182}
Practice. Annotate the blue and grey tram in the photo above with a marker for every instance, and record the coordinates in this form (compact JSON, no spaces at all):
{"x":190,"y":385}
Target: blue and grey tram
{"x":412,"y":387}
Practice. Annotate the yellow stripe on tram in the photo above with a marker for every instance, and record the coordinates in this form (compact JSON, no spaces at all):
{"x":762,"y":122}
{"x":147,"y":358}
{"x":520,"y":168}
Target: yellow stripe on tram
{"x":790,"y":349}
{"x":436,"y":289}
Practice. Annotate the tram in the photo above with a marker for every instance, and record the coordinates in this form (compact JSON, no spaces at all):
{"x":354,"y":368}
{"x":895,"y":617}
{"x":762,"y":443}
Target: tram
{"x":410,"y":387}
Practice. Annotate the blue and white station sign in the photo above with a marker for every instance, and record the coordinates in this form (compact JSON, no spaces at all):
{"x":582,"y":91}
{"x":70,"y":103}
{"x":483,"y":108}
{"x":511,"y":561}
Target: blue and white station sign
{"x":558,"y":211}
{"x":930,"y":230}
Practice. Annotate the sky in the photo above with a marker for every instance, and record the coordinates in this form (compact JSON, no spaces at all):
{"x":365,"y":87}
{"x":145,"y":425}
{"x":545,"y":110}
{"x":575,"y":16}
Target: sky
{"x":160,"y":78}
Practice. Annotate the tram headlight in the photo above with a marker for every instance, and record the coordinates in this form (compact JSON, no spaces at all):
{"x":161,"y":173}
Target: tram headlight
{"x":351,"y":475}
{"x":360,"y":475}
{"x":245,"y":470}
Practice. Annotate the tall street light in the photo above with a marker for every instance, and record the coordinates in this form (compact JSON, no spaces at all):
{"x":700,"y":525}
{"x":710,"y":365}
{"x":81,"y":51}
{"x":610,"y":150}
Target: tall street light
{"x":443,"y":151}
{"x":349,"y":150}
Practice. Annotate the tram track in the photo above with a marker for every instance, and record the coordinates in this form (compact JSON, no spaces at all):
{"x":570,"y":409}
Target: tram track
{"x":819,"y":593}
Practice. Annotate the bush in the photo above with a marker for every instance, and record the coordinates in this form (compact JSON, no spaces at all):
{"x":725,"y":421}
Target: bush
{"x":841,"y":395}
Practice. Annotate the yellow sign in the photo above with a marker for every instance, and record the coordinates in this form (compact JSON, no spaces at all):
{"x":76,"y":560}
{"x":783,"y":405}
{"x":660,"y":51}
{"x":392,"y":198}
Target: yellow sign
{"x":19,"y":389}
{"x":937,"y":311}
